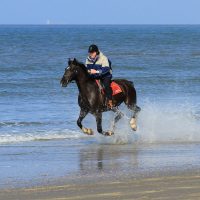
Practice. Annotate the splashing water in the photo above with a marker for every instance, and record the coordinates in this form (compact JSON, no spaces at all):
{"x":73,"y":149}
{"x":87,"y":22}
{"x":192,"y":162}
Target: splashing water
{"x":169,"y":123}
{"x":158,"y":123}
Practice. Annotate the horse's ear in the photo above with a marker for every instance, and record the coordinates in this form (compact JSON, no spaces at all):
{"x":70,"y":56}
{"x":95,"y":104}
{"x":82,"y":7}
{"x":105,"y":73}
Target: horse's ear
{"x":69,"y":61}
{"x":75,"y":61}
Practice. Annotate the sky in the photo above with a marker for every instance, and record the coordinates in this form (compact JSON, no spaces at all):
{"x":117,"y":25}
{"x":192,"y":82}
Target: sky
{"x":99,"y":11}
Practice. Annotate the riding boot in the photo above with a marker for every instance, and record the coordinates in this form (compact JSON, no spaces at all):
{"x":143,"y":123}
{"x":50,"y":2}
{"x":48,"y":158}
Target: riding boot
{"x":108,"y":91}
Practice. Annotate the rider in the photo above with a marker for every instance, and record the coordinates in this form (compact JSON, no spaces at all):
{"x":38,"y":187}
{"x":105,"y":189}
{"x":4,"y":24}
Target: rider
{"x":99,"y":68}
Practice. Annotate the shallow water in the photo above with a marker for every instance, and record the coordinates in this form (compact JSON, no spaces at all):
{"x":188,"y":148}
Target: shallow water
{"x":38,"y":132}
{"x":37,"y":163}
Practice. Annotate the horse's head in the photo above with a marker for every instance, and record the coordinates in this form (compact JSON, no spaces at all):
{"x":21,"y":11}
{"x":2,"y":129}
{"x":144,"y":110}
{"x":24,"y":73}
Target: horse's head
{"x":71,"y":72}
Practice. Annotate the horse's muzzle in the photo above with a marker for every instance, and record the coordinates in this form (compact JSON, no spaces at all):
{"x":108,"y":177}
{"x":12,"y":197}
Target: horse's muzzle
{"x":64,"y":82}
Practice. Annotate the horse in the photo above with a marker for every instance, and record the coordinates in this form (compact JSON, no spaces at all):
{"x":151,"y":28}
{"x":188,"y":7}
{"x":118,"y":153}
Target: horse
{"x":92,"y":100}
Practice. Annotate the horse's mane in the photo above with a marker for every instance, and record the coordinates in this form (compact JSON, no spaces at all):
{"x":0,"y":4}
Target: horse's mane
{"x":80,"y":64}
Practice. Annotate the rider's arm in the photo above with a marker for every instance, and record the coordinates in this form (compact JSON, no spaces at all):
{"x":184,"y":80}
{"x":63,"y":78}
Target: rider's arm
{"x":105,"y":67}
{"x":86,"y":63}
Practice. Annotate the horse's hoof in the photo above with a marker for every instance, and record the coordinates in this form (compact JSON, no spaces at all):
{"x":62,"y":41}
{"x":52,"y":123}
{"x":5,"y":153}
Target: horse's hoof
{"x":134,"y":128}
{"x":108,"y":133}
{"x":133,"y":124}
{"x":87,"y":131}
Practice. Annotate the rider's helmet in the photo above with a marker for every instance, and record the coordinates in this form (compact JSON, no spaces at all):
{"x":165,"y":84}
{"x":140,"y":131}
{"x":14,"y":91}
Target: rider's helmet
{"x":93,"y":48}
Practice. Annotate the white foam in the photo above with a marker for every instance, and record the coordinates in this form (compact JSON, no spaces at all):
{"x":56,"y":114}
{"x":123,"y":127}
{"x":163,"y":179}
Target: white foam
{"x":159,"y":122}
{"x":48,"y":135}
{"x":168,"y":123}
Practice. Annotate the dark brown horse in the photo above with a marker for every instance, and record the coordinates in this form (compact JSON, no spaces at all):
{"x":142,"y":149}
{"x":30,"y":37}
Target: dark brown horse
{"x":91,"y":100}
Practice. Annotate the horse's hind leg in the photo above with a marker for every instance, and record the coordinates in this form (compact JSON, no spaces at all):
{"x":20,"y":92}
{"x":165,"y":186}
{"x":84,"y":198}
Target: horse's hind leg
{"x":116,"y":119}
{"x":133,"y":122}
{"x":131,"y":104}
{"x":82,"y":115}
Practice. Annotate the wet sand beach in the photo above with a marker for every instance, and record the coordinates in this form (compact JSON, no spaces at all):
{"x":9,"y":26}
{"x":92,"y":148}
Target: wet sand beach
{"x":97,"y":171}
{"x":184,"y":186}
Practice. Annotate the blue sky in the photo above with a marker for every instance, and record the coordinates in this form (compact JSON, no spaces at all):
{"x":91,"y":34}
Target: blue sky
{"x":100,"y":11}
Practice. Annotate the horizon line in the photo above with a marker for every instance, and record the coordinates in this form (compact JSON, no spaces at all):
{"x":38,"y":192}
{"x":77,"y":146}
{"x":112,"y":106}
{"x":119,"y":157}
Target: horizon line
{"x":37,"y":24}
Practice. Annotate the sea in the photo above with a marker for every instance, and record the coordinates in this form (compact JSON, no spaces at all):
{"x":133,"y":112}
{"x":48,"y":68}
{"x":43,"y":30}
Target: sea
{"x":39,"y":138}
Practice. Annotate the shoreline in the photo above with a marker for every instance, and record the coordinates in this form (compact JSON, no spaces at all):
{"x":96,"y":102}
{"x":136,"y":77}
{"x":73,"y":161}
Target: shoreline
{"x":183,"y":185}
{"x":72,"y":163}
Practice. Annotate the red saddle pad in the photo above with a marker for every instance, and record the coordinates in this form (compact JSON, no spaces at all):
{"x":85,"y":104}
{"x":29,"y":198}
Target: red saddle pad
{"x":115,"y":88}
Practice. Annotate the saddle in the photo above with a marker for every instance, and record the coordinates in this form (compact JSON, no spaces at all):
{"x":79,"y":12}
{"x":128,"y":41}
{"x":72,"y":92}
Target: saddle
{"x":115,"y":87}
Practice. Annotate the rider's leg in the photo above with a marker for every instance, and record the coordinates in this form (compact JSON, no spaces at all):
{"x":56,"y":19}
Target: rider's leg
{"x":108,"y":90}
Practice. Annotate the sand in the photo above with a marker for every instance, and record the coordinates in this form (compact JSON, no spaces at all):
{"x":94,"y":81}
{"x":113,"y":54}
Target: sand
{"x":182,"y":186}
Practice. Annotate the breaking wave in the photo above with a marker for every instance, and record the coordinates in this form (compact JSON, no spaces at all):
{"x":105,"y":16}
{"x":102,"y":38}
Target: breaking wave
{"x":35,"y":136}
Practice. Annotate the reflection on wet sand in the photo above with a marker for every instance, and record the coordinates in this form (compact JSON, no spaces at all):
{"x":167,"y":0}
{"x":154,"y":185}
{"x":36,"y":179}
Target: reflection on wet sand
{"x":119,"y":164}
{"x":136,"y":158}
{"x":108,"y":158}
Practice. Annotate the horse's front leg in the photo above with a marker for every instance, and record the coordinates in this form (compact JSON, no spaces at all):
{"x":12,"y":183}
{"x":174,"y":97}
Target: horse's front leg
{"x":99,"y":125}
{"x":82,"y":115}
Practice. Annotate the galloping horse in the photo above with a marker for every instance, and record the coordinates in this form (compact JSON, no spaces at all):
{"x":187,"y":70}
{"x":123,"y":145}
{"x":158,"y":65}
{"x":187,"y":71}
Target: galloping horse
{"x":92,"y":100}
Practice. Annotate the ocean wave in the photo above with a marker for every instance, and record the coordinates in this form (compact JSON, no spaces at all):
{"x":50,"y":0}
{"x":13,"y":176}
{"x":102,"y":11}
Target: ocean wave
{"x":23,"y":123}
{"x":35,"y":136}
